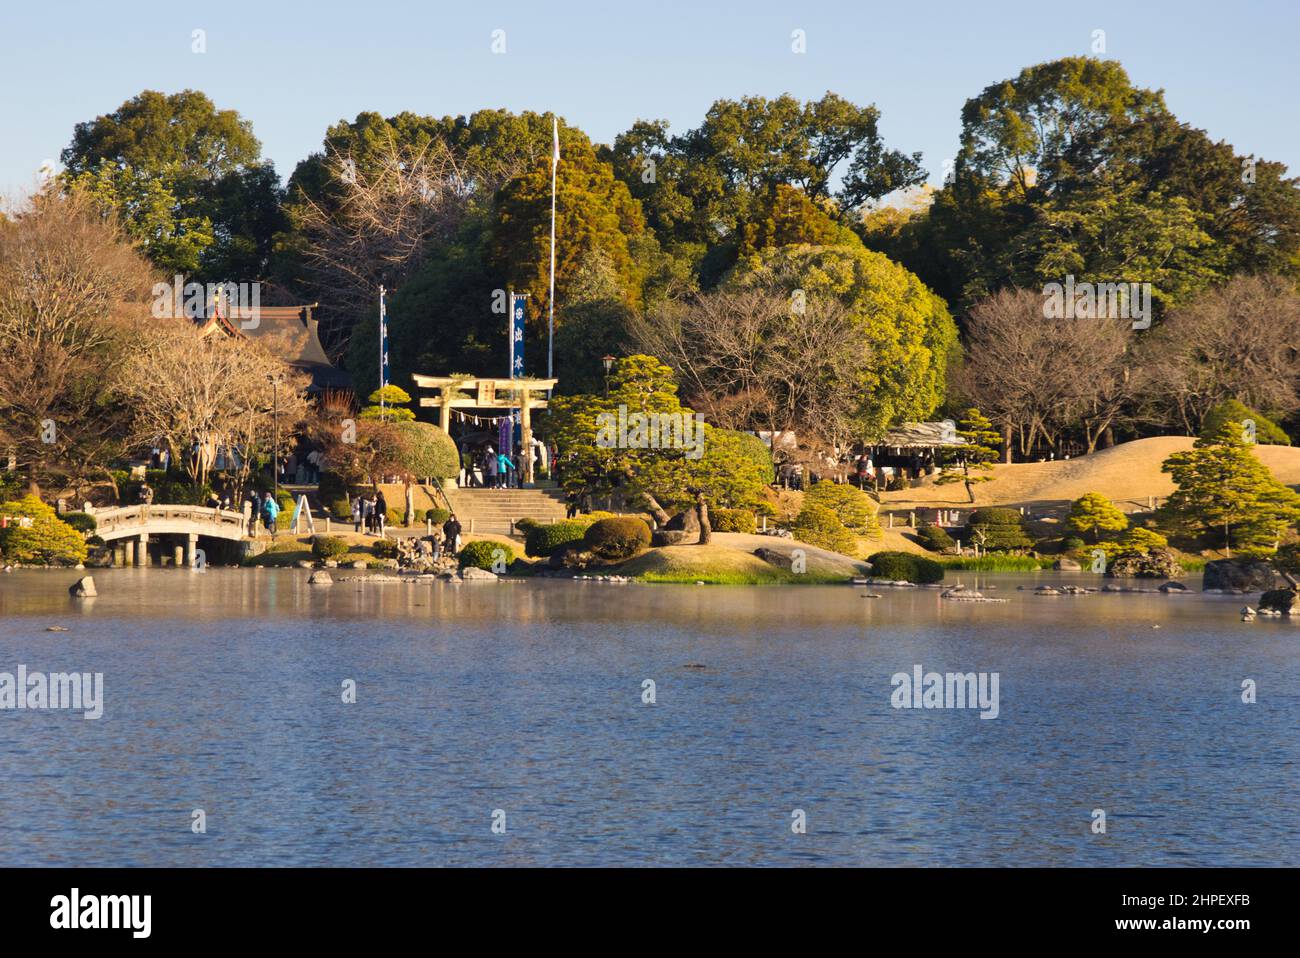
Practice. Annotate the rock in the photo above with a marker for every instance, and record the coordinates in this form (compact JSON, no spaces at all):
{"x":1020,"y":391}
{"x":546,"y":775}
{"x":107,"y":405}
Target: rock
{"x":305,"y":564}
{"x":475,"y":574}
{"x":519,"y":567}
{"x":782,"y":560}
{"x":1281,"y":601}
{"x":681,"y":528}
{"x":359,"y":564}
{"x":320,"y":577}
{"x":1066,"y":564}
{"x":83,"y":588}
{"x":1246,"y":575}
{"x":55,"y":628}
{"x":331,"y":563}
{"x":668,"y":537}
{"x":1046,"y":590}
{"x":1247,"y":613}
{"x":1158,"y":563}
{"x":1173,"y":587}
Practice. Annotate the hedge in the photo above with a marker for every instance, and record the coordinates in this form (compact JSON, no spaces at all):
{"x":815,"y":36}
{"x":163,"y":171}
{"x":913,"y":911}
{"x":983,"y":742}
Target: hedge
{"x":482,"y":553}
{"x":733,"y":520}
{"x":1002,"y":530}
{"x":83,"y":522}
{"x":905,"y":567}
{"x":328,"y":547}
{"x":542,"y":541}
{"x":935,"y":538}
{"x":617,"y":539}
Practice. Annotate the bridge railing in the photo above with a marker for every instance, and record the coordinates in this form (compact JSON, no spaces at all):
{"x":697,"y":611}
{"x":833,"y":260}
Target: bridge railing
{"x":115,"y":518}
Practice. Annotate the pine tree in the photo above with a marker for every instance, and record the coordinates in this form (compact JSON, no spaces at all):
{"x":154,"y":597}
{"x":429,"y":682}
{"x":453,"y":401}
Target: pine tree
{"x":1094,"y":513}
{"x":976,"y":456}
{"x":1223,"y":488}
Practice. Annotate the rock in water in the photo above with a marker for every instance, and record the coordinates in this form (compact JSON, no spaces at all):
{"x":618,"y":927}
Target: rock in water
{"x":1066,"y":564}
{"x":83,"y":588}
{"x":320,"y":577}
{"x":1281,"y":601}
{"x":475,"y":574}
{"x":1245,"y":575}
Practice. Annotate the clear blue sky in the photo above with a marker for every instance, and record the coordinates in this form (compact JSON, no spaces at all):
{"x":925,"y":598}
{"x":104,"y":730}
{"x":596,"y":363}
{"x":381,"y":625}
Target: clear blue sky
{"x":293,"y":68}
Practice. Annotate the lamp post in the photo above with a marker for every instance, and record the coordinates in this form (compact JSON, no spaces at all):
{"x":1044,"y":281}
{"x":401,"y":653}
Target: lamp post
{"x":609,"y":362}
{"x":275,"y":442}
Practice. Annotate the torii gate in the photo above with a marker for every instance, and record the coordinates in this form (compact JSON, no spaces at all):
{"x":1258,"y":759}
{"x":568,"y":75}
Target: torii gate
{"x":520,"y":393}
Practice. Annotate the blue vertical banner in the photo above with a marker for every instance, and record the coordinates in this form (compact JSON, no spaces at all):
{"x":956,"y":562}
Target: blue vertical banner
{"x":383,"y":340}
{"x":517,"y":334}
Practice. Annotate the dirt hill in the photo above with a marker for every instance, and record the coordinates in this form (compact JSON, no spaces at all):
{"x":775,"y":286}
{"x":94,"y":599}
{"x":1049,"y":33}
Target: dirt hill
{"x":1127,"y":474}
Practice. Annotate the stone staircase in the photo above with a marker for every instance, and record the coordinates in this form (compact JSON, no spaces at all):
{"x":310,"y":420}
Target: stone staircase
{"x":495,"y":510}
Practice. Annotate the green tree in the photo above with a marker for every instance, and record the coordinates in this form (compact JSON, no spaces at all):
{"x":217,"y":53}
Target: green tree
{"x":976,"y":456}
{"x":186,"y":178}
{"x":389,"y":404}
{"x":854,"y":508}
{"x":1094,"y":514}
{"x":1223,"y":488}
{"x":1254,"y":426}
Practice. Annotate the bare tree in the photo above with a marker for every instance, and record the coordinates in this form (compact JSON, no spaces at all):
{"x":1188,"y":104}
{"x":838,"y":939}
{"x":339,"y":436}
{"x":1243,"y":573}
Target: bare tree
{"x":1239,"y":341}
{"x":373,"y":223}
{"x":74,"y":294}
{"x":748,"y":360}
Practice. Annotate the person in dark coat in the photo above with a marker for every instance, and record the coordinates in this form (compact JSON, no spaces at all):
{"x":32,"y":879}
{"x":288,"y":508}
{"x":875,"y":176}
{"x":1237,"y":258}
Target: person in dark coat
{"x":451,"y":533}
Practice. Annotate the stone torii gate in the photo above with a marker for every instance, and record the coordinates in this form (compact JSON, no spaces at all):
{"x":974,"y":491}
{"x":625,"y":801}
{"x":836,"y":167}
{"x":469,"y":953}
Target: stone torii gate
{"x":478,"y":392}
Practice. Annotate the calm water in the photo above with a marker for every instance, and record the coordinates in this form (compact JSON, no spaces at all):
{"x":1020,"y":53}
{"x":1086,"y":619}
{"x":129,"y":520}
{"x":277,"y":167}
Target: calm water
{"x":223,"y":692}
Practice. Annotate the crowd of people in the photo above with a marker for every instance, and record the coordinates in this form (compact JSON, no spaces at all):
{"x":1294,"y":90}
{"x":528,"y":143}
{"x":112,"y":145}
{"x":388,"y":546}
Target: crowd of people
{"x":490,"y":469}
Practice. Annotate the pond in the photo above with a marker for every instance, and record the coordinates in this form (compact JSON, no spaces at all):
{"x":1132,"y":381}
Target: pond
{"x":511,"y":723}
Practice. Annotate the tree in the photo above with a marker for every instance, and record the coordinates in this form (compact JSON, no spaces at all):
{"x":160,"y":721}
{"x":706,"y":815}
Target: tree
{"x":909,"y":335}
{"x":1093,"y":513}
{"x":73,"y":293}
{"x":1224,"y":488}
{"x":186,"y":179}
{"x":389,"y":404}
{"x":977,"y":455}
{"x":1255,"y":426}
{"x":853,"y":507}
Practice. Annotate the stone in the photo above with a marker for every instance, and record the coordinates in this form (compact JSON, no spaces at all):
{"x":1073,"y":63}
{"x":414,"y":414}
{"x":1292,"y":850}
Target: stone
{"x":782,"y":560}
{"x":1173,"y":587}
{"x":1157,"y":563}
{"x":359,"y":564}
{"x":305,"y":564}
{"x":83,"y":588}
{"x":1244,"y":575}
{"x":1281,"y":601}
{"x":331,"y":563}
{"x":475,"y":574}
{"x":1066,"y":564}
{"x":668,"y":537}
{"x":320,"y":577}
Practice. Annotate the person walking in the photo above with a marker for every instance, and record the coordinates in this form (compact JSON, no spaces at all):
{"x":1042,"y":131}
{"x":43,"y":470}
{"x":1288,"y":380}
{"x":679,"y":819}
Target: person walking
{"x":491,"y":468}
{"x":381,"y":513}
{"x":505,"y":466}
{"x":270,"y":512}
{"x":451,"y":533}
{"x":356,"y":513}
{"x":367,"y":513}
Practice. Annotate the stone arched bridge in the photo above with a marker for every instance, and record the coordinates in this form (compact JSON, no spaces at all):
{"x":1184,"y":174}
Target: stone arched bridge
{"x":132,"y":527}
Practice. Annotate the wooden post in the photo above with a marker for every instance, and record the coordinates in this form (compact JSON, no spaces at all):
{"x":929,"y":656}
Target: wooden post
{"x":526,"y":434}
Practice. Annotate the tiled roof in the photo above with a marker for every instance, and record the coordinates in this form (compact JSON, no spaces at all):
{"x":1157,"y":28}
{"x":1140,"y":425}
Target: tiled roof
{"x":923,"y":435}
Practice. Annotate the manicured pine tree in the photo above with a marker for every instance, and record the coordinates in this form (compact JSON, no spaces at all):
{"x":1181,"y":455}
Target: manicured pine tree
{"x":1093,"y":513}
{"x":963,"y":463}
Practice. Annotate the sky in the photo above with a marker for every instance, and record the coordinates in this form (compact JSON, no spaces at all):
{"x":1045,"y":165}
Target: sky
{"x":295,"y":68}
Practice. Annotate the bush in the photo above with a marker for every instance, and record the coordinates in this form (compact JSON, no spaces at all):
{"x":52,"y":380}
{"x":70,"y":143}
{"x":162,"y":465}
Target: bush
{"x":1266,"y":431}
{"x":328,"y":547}
{"x":819,"y":526}
{"x":733,"y":520}
{"x":47,"y":541}
{"x":935,"y":538}
{"x":83,"y":522}
{"x":384,"y":549}
{"x":482,"y":553}
{"x":542,"y":540}
{"x":424,"y":450}
{"x":1072,"y":544}
{"x":395,"y":517}
{"x":437,"y":516}
{"x":286,"y":504}
{"x":617,"y":539}
{"x":854,"y":508}
{"x":905,"y":567}
{"x":341,"y":509}
{"x":998,"y":530}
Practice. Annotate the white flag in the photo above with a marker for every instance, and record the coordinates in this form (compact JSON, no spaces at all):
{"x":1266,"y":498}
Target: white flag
{"x":555,"y":126}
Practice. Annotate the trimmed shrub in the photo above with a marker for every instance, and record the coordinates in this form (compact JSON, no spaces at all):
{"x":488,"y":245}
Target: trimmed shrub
{"x":905,"y":567}
{"x":935,"y":538}
{"x":286,"y":503}
{"x":436,"y":516}
{"x":733,"y":520}
{"x":854,"y":508}
{"x":617,"y":539}
{"x":83,"y":522}
{"x":328,"y":547}
{"x":482,"y":553}
{"x":998,"y":530}
{"x":384,"y":549}
{"x":341,"y":509}
{"x":424,"y":450}
{"x":542,"y":540}
{"x":1072,"y":544}
{"x":47,"y":541}
{"x":395,"y":517}
{"x":819,"y":526}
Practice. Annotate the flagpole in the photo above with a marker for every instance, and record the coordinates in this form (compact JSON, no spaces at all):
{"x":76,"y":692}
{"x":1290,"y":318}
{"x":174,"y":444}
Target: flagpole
{"x":550,"y":332}
{"x":383,"y":350}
